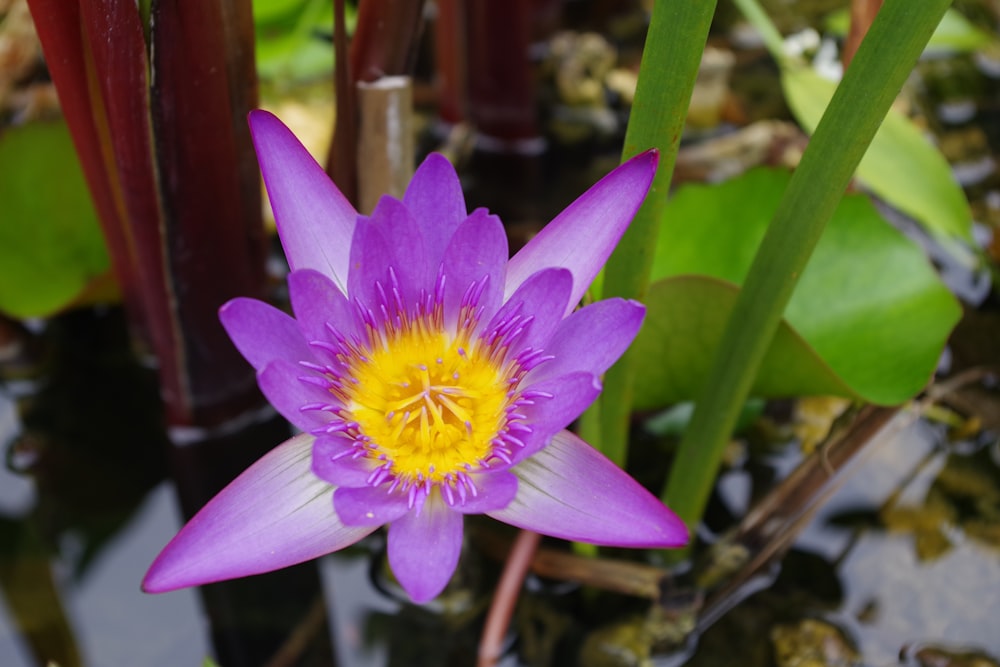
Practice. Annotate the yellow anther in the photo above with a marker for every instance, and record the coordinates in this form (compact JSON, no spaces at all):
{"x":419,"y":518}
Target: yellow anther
{"x":430,"y":403}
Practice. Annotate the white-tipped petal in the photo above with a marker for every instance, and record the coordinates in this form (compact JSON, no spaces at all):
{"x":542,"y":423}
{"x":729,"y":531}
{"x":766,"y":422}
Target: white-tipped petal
{"x":582,"y":237}
{"x":572,"y":491}
{"x":277,"y":513}
{"x":315,"y":221}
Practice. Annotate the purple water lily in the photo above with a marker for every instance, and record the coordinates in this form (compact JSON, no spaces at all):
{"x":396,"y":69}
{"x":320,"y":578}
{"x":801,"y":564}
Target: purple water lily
{"x":431,"y":378}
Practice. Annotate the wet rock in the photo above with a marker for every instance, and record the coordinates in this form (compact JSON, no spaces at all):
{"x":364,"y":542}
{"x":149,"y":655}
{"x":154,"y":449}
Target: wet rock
{"x":929,"y":655}
{"x":812,"y":643}
{"x":633,"y":642}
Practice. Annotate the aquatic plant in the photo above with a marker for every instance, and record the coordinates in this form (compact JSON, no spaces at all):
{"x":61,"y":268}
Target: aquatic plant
{"x":431,"y":378}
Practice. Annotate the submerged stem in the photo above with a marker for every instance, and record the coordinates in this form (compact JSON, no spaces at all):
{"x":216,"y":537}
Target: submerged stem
{"x":505,"y":599}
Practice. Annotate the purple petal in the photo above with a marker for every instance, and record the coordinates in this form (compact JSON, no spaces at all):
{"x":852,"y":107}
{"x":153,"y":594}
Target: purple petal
{"x":571,"y":395}
{"x":369,"y":505}
{"x":477,"y":249}
{"x":582,"y":237}
{"x":389,"y":239}
{"x":591,"y":339}
{"x":434,"y":197}
{"x":424,"y":548}
{"x":332,"y":461}
{"x":275,"y":514}
{"x":315,"y":221}
{"x":571,"y":491}
{"x":317,"y":301}
{"x":287,"y":393}
{"x":494,"y":490}
{"x":543,"y":298}
{"x":262,"y":333}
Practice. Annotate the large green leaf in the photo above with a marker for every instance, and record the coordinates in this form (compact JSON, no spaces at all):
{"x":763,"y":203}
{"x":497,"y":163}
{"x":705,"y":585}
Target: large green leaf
{"x":868,"y":319}
{"x":51,"y":246}
{"x":901,"y":165}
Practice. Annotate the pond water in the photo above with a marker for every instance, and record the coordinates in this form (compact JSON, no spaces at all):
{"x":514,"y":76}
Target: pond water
{"x":902,"y":558}
{"x":888,"y":559}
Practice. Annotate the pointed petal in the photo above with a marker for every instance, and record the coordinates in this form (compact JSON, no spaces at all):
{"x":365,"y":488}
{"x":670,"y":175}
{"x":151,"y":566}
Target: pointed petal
{"x":434,"y":197}
{"x":494,"y":490}
{"x":369,"y":505}
{"x":262,"y":333}
{"x":315,"y":221}
{"x":275,"y":514}
{"x":318,"y":301}
{"x":287,"y":393}
{"x":542,"y":297}
{"x":389,"y":238}
{"x":582,"y":237}
{"x":477,"y":249}
{"x":613,"y":323}
{"x":571,"y":395}
{"x":382,"y":256}
{"x":570,"y":490}
{"x":424,"y":548}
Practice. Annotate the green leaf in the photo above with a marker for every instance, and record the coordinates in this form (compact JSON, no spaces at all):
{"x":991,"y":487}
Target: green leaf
{"x":901,"y":165}
{"x":868,"y":319}
{"x":954,"y":33}
{"x":51,"y":246}
{"x":684,"y":322}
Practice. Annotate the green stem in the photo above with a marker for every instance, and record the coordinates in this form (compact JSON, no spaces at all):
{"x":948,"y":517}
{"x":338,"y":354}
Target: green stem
{"x":870,"y":85}
{"x":677,"y":33}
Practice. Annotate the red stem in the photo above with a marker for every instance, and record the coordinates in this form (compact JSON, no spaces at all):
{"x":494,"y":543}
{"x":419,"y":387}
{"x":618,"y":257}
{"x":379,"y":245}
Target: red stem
{"x":385,"y":39}
{"x":505,"y":598}
{"x":215,"y":235}
{"x":449,"y":49}
{"x":501,"y":80}
{"x":384,"y":44}
{"x":115,"y":48}
{"x":171,"y":175}
{"x":862,"y":15}
{"x":342,"y":160}
{"x":58,"y":25}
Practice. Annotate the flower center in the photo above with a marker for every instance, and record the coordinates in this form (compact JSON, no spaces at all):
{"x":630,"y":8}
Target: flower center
{"x":427,"y":403}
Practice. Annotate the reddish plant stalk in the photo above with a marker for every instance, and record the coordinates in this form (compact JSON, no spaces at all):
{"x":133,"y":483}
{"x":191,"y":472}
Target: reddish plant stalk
{"x":449,"y":65}
{"x":384,"y":44}
{"x":501,"y":82}
{"x":214,"y":232}
{"x":342,"y":160}
{"x":168,"y":170}
{"x":505,"y":599}
{"x":114,"y":48}
{"x":72,"y":70}
{"x":862,"y":14}
{"x":385,"y":39}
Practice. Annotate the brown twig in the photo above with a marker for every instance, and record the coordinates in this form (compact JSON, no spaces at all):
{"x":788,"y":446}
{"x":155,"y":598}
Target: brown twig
{"x":769,"y":529}
{"x":618,"y":576}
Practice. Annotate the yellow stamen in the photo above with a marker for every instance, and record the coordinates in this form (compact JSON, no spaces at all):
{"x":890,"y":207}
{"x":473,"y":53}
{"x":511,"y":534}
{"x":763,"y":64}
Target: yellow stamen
{"x":430,"y":403}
